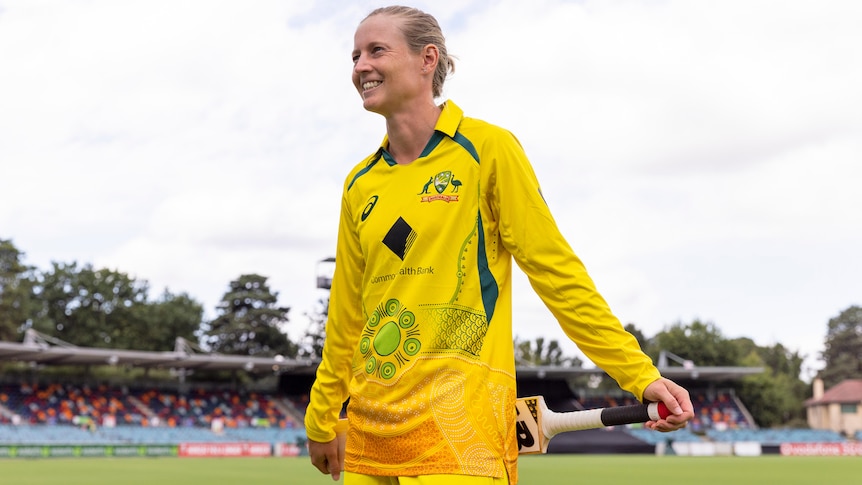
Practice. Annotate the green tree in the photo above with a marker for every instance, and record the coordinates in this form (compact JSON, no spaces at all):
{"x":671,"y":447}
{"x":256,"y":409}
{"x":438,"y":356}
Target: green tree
{"x":700,"y":342}
{"x":91,"y":307}
{"x":843,"y":347}
{"x":782,"y":360}
{"x":774,"y":397}
{"x":249,"y":321}
{"x":311,"y":344}
{"x":159,"y":323}
{"x":538,"y":352}
{"x":18,"y":303}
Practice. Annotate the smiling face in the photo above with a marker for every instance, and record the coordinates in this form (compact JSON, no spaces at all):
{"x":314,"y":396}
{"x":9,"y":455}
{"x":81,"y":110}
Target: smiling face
{"x":386,"y":73}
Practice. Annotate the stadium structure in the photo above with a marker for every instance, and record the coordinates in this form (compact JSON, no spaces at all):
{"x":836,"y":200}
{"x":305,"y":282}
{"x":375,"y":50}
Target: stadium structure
{"x":43,"y":416}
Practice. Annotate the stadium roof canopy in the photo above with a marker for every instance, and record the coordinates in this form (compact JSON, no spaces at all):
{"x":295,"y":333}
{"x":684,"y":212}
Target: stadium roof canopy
{"x":685,"y":371}
{"x":39,"y":349}
{"x":676,"y":373}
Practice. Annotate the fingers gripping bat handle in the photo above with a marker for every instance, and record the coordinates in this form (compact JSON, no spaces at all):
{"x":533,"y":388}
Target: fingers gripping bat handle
{"x":554,"y":423}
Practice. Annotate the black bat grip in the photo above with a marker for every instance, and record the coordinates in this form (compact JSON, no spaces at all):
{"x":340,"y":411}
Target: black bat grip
{"x":616,"y":416}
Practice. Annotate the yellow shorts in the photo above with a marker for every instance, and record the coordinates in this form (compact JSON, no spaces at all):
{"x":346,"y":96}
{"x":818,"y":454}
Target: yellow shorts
{"x":357,"y":479}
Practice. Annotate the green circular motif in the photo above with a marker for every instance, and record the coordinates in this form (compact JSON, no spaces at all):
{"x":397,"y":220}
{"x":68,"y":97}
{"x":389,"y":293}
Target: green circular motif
{"x":387,"y":339}
{"x":364,"y":344}
{"x":406,"y":320}
{"x":412,"y":346}
{"x":374,"y":320}
{"x":370,"y":365}
{"x":387,"y":370}
{"x":392,"y":307}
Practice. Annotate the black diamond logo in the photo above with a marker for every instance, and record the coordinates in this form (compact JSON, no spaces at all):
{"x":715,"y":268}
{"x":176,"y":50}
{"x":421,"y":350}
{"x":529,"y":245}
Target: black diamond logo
{"x":399,"y":238}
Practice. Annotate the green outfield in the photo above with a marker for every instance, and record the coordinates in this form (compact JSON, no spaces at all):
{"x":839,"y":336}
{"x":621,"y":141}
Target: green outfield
{"x":535,"y":470}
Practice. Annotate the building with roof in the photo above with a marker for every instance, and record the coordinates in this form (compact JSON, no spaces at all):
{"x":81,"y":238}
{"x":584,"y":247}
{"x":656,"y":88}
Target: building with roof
{"x":838,"y":409}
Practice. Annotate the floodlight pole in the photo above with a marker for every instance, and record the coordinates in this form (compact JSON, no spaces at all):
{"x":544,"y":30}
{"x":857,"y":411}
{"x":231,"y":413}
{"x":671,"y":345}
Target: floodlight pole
{"x":325,"y":270}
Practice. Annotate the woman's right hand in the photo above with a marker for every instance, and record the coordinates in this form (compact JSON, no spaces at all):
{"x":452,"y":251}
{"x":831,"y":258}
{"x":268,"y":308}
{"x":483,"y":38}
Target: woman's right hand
{"x":327,"y":457}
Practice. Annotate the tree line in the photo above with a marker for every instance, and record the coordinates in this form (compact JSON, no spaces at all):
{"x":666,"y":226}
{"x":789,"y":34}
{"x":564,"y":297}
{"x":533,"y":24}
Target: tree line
{"x":99,"y":307}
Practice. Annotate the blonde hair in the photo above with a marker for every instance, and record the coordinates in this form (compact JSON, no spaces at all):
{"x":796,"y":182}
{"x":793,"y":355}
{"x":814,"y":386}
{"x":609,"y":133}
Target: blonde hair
{"x":421,"y":29}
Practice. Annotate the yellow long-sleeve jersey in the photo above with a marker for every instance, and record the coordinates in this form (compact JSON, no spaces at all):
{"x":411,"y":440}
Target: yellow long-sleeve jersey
{"x":419,"y":334}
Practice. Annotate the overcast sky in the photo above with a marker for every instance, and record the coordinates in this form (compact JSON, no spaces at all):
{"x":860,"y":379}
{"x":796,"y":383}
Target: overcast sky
{"x":704,"y":158}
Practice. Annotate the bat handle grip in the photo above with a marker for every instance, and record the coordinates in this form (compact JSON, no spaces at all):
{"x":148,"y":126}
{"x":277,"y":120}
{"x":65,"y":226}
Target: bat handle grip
{"x":638,"y":413}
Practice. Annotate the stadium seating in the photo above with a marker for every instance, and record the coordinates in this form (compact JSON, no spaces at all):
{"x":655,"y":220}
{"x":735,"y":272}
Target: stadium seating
{"x":64,"y":413}
{"x":201,"y":407}
{"x":69,"y":414}
{"x":776,"y":436}
{"x":62,"y":403}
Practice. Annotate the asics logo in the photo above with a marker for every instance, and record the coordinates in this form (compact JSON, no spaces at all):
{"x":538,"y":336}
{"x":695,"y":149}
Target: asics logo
{"x":369,"y":207}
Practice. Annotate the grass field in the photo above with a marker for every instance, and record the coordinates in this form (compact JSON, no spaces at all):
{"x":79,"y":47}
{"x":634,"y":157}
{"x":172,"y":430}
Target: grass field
{"x":535,"y":470}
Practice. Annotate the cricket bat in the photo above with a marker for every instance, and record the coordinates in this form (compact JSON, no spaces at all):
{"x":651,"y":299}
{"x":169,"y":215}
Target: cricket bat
{"x":536,"y":424}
